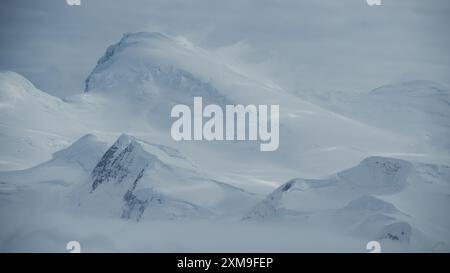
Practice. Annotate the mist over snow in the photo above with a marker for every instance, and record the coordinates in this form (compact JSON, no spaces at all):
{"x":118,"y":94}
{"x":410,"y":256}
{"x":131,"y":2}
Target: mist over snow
{"x":86,"y":152}
{"x":302,"y":45}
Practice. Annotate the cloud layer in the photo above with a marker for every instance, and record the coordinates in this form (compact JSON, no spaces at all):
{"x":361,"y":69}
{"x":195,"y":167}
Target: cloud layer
{"x":302,"y":45}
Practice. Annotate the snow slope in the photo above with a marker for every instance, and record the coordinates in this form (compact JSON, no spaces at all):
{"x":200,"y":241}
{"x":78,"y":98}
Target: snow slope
{"x":152,"y":72}
{"x":138,"y":80}
{"x":93,"y":164}
{"x":45,"y":187}
{"x":417,"y":110}
{"x":376,"y":199}
{"x":132,"y":182}
{"x":33,"y":124}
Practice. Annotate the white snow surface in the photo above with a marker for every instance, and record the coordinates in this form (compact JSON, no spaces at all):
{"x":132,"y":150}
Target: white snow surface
{"x":100,"y":167}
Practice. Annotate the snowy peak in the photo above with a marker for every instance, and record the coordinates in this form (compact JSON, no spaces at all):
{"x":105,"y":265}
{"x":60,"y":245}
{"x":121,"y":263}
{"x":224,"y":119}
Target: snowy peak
{"x":152,"y":72}
{"x":34,"y":124}
{"x":143,"y":57}
{"x":132,"y":182}
{"x":85,"y":151}
{"x":84,"y":144}
{"x":378,"y":175}
{"x":373,"y":175}
{"x":113,"y":52}
{"x":131,"y":39}
{"x":14,"y":87}
{"x":124,"y":162}
{"x":366,"y":215}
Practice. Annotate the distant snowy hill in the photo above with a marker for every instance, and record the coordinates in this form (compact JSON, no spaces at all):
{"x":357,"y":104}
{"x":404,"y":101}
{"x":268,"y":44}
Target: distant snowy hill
{"x":417,"y":110}
{"x":46,"y":186}
{"x":366,"y":200}
{"x":33,"y":124}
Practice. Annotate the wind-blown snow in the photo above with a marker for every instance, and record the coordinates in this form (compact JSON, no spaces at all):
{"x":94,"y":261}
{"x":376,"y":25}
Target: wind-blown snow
{"x":104,"y":159}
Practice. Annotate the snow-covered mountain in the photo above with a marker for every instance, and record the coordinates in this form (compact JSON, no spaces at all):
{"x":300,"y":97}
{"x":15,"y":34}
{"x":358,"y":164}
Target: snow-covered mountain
{"x":153,"y":72}
{"x":376,"y":199}
{"x":145,"y":74}
{"x":131,"y":181}
{"x":417,"y":110}
{"x":33,"y":124}
{"x":105,"y":158}
{"x":47,"y":186}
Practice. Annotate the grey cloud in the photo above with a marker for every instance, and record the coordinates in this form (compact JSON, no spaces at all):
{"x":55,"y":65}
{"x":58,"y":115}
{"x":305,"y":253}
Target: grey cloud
{"x":302,"y":45}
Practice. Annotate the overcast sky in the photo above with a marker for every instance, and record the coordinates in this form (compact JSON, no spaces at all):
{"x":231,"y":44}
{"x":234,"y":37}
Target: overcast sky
{"x":299,"y":44}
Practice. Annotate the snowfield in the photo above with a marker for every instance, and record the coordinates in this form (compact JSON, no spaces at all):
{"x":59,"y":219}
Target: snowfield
{"x":101,"y":167}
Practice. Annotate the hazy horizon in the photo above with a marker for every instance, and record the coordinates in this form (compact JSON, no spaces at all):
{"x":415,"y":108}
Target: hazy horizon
{"x":300,"y":45}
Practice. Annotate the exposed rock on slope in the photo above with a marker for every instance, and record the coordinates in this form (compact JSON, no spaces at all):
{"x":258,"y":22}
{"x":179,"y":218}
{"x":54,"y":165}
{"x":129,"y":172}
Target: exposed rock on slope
{"x":132,"y":182}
